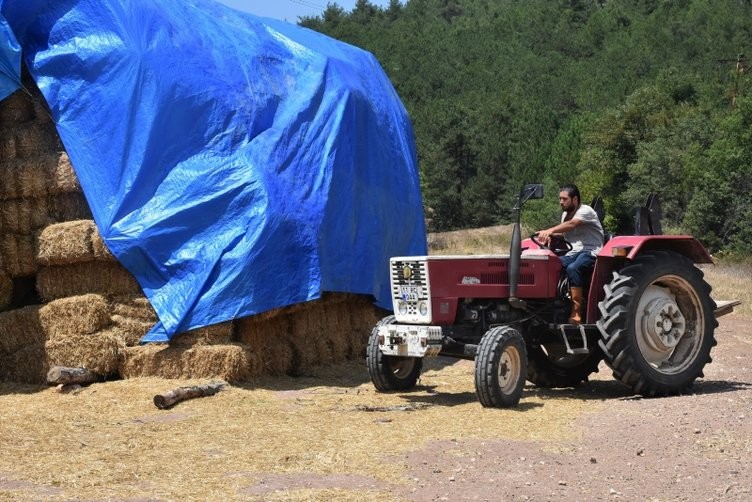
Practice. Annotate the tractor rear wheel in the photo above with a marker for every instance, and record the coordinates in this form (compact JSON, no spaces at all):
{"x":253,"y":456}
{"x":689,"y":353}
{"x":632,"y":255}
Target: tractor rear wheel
{"x":550,"y":366}
{"x":657,"y":324}
{"x":500,"y":368}
{"x":390,"y":373}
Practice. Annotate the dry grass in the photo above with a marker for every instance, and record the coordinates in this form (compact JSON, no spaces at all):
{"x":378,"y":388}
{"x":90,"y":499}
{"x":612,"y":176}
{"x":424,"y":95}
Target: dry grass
{"x":108,"y":441}
{"x":731,"y":281}
{"x":488,"y":240}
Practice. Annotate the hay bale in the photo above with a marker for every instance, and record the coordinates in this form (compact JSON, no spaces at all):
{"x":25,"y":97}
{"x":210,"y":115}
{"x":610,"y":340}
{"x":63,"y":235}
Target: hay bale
{"x":62,"y":178}
{"x":6,"y":290}
{"x":16,"y":108}
{"x":99,"y":248}
{"x":130,"y":331}
{"x":7,"y":148}
{"x":132,"y":317}
{"x":268,"y":337}
{"x":66,"y":243}
{"x":37,"y":177}
{"x":216,"y":334}
{"x":8,"y":174}
{"x":31,"y":177}
{"x":352,"y":318}
{"x":99,"y":353}
{"x":76,"y":315}
{"x":232,"y":362}
{"x":24,"y":216}
{"x":70,"y":242}
{"x":27,"y":215}
{"x":332,"y":329}
{"x":136,"y":307}
{"x":40,"y":176}
{"x":20,"y":328}
{"x":68,"y":207}
{"x":76,"y":279}
{"x":363,"y":317}
{"x":339,"y":328}
{"x":17,"y":254}
{"x":41,"y":110}
{"x":26,"y":365}
{"x":307,"y":337}
{"x":293,"y":340}
{"x":34,"y":138}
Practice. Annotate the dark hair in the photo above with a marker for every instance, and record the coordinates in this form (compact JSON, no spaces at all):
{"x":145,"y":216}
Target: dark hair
{"x":572,"y":191}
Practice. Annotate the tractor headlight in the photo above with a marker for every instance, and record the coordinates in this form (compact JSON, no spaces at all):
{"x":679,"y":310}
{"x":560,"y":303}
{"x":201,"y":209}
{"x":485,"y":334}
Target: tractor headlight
{"x":402,"y":308}
{"x":423,"y":309}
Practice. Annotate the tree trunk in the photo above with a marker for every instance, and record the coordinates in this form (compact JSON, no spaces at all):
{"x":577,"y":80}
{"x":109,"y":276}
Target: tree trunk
{"x":167,"y":399}
{"x":64,"y":375}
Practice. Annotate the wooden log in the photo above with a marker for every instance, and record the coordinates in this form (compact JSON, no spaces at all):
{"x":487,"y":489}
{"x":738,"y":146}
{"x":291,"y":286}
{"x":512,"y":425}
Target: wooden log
{"x":167,"y":399}
{"x":65,"y":375}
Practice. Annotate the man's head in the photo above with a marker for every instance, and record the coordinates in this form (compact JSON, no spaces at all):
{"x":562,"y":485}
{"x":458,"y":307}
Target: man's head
{"x":569,"y":198}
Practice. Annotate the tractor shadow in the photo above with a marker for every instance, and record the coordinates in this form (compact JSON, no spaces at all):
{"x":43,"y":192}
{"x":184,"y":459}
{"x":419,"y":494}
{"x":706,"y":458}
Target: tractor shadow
{"x":602,"y":390}
{"x":597,"y":391}
{"x":450,"y":399}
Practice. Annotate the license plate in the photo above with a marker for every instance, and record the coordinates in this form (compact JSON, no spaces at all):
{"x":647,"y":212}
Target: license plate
{"x":409,"y":293}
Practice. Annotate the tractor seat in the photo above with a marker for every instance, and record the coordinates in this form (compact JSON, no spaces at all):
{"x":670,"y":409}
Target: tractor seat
{"x":600,"y":210}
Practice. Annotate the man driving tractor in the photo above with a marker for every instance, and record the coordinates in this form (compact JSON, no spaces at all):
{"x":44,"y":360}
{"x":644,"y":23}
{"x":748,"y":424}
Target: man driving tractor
{"x":580,"y":227}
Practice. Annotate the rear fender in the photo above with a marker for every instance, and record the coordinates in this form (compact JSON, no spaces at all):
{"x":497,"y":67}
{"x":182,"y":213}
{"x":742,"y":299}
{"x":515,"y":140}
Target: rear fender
{"x":622,"y":249}
{"x":633,"y":245}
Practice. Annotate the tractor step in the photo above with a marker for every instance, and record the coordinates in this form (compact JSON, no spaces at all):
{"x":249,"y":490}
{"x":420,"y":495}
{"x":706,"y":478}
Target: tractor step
{"x":576,"y":332}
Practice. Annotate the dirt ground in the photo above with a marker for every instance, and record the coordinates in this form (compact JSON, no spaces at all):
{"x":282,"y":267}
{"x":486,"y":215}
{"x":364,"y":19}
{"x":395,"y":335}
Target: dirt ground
{"x":332,"y":437}
{"x":693,"y":447}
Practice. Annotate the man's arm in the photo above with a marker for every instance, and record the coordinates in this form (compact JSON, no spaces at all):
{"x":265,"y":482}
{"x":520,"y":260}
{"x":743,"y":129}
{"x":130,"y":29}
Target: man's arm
{"x":545,"y":235}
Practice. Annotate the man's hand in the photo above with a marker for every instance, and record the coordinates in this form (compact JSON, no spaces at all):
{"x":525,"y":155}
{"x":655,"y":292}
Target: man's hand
{"x":544,"y":236}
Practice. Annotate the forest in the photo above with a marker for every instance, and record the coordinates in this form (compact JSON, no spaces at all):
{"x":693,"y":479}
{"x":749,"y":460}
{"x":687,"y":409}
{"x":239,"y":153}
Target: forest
{"x":624,"y":98}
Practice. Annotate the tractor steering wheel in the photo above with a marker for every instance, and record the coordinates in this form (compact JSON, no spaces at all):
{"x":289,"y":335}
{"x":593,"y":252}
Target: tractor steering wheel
{"x":558,"y":245}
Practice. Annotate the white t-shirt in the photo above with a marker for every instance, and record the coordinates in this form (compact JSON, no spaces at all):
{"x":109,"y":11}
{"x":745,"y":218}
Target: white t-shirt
{"x":589,"y":235}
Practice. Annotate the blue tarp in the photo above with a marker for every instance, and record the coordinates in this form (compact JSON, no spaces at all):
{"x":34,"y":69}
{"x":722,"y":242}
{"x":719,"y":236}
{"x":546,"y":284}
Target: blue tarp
{"x":10,"y":61}
{"x":233,"y":164}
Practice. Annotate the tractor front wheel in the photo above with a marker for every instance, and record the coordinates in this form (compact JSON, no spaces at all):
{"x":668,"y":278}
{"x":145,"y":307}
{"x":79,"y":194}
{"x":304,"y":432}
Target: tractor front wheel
{"x":389,"y":373}
{"x":657,"y":324}
{"x":500,"y":368}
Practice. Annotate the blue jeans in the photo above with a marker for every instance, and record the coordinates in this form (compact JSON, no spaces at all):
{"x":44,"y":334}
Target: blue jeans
{"x":577,"y":267}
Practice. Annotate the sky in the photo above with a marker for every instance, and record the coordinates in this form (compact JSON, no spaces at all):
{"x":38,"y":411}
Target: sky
{"x":291,"y":10}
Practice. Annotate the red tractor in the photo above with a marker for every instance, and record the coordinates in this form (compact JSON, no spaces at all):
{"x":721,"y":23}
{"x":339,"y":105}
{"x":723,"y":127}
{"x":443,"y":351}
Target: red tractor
{"x":649,"y":315}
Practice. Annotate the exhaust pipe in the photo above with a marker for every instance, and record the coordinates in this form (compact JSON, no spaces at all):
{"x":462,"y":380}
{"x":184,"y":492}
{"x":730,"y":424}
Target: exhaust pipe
{"x":532,"y":191}
{"x":515,"y":254}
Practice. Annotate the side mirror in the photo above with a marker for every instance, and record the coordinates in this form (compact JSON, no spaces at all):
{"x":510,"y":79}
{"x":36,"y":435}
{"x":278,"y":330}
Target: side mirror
{"x":532,"y":191}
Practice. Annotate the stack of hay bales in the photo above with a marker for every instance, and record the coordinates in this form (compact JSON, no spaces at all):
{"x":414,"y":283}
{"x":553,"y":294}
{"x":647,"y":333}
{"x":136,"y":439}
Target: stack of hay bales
{"x":37,"y":187}
{"x":66,"y":301}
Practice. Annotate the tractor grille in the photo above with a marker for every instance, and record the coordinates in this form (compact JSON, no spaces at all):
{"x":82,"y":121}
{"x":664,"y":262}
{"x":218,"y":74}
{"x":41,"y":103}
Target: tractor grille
{"x":416,"y":269}
{"x":502,"y":276}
